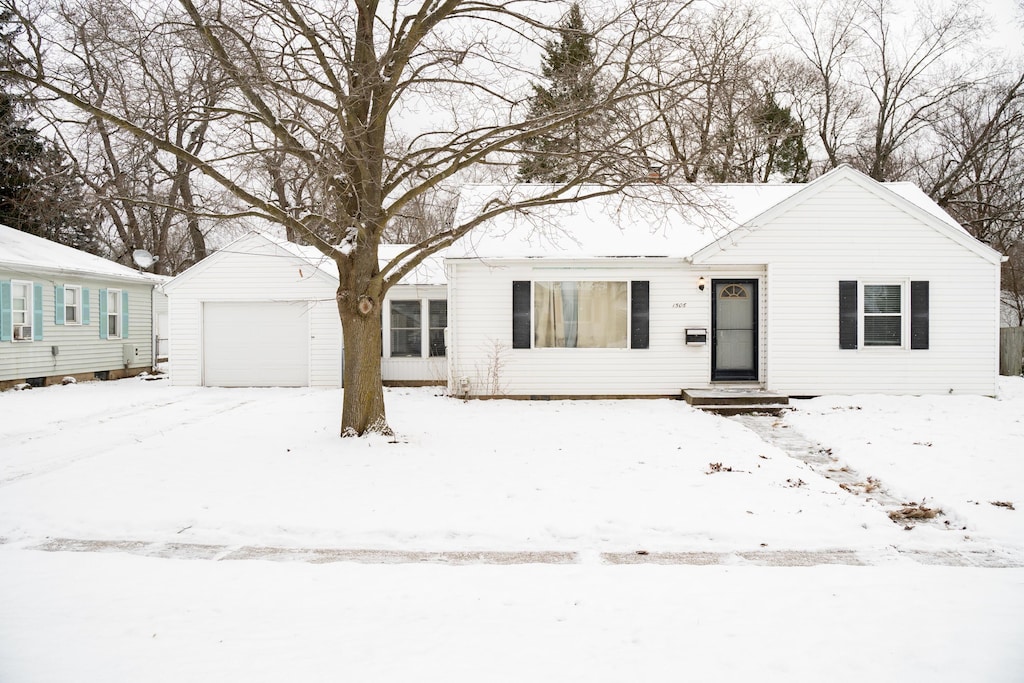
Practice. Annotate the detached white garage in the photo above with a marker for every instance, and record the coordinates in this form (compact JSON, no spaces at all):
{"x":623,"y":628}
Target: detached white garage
{"x":262,"y":313}
{"x":257,"y":313}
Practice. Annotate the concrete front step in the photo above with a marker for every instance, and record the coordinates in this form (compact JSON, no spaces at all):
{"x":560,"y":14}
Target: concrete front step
{"x":744,"y":409}
{"x":733,"y":397}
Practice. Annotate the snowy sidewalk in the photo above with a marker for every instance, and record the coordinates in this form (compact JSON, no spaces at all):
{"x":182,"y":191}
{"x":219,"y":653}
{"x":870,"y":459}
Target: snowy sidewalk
{"x":993,"y":559}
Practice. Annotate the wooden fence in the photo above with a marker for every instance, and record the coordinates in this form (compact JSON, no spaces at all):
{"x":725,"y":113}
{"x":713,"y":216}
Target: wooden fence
{"x":1011,"y":350}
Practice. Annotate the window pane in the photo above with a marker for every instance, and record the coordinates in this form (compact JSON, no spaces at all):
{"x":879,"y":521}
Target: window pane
{"x":70,"y":314}
{"x":438,"y":314}
{"x":406,"y":332}
{"x":405,"y":342}
{"x":438,"y":321}
{"x":112,"y":326}
{"x":882,"y":299}
{"x":580,"y":314}
{"x":70,"y":297}
{"x":437,"y":347}
{"x":405,"y":314}
{"x":882,"y":330}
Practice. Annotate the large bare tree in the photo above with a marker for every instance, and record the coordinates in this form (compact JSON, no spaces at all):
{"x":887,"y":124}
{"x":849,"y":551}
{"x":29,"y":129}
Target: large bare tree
{"x":141,"y":67}
{"x":320,"y":91}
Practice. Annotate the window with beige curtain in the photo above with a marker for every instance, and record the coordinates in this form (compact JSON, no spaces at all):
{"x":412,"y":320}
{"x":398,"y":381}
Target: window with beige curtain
{"x":583,"y":315}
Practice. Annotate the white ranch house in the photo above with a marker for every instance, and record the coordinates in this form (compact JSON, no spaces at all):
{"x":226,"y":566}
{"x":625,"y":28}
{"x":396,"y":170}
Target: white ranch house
{"x":840,"y":286}
{"x":65,"y":312}
{"x":262,"y":312}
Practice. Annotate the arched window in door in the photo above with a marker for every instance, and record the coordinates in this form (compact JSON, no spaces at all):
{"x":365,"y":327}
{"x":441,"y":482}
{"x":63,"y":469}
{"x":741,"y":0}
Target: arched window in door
{"x":733,"y":292}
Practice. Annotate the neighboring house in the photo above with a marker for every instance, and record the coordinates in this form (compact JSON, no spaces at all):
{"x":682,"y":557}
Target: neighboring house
{"x":840,"y":286}
{"x":64,"y":312}
{"x":263,"y":312}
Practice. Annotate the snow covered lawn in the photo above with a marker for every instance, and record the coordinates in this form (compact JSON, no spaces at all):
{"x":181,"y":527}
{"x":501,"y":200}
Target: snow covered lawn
{"x":146,"y":465}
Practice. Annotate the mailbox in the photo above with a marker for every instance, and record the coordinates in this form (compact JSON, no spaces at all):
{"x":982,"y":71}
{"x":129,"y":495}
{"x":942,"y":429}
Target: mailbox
{"x":696,"y":335}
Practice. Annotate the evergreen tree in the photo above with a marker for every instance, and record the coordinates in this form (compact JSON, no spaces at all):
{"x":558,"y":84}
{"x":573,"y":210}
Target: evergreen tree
{"x":569,"y":70}
{"x":39,"y":192}
{"x":784,"y":136}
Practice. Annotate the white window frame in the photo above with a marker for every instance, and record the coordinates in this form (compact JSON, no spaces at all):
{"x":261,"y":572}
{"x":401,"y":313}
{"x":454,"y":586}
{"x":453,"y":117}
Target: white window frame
{"x":77,"y":307}
{"x":391,"y":329}
{"x":428,"y":330}
{"x":18,"y":331}
{"x":575,"y":349}
{"x":904,"y":314}
{"x":114,"y":296}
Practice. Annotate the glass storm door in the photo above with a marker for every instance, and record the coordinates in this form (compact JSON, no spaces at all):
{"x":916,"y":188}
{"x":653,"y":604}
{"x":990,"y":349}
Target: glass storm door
{"x":734,"y":330}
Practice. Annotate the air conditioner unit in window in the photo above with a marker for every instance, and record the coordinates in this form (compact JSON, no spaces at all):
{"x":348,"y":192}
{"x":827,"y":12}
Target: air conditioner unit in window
{"x":22,"y":332}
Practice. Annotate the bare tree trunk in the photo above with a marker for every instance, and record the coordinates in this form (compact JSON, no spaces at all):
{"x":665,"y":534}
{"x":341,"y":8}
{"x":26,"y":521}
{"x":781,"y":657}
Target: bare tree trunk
{"x":363,"y":405}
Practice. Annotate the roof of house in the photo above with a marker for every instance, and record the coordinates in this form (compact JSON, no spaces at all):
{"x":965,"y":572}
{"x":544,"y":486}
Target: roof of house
{"x":23,"y":252}
{"x":429,"y":272}
{"x":651,"y":220}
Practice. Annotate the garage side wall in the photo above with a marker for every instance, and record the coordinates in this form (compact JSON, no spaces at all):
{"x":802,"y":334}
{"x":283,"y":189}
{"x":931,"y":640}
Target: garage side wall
{"x":254,"y":270}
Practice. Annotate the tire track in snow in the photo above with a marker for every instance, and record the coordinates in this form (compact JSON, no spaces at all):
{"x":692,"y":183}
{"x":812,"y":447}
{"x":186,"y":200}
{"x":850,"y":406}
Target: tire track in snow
{"x":123,"y":429}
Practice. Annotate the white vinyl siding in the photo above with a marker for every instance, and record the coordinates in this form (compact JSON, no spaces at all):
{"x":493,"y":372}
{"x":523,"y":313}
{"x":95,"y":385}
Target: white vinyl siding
{"x":426,"y":363}
{"x":253,"y":269}
{"x":480,"y":331}
{"x":847,"y":232}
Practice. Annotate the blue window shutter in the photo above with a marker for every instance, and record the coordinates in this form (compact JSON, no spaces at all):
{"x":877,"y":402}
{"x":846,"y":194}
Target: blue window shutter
{"x":37,"y":312}
{"x":124,"y":314}
{"x":5,"y":310}
{"x":639,"y":313}
{"x":103,"y":314}
{"x":521,"y":314}
{"x":847,"y":314}
{"x":58,"y":304}
{"x":85,"y":306}
{"x":919,"y":314}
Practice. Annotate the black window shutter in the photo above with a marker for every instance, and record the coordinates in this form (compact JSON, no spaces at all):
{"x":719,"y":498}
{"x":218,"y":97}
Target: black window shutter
{"x":640,"y":317}
{"x":521,"y":314}
{"x":847,"y":314}
{"x":919,"y":314}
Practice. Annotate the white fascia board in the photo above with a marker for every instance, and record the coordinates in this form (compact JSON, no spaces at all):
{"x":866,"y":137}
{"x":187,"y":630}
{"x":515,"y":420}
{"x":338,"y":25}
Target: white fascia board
{"x":834,"y":176}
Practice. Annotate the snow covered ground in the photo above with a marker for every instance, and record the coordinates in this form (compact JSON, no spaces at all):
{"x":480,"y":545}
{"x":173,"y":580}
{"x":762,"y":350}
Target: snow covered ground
{"x":168,"y":487}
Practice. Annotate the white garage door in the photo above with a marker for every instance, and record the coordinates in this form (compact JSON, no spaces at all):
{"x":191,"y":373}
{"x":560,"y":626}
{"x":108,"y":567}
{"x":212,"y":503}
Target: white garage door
{"x":256,"y":344}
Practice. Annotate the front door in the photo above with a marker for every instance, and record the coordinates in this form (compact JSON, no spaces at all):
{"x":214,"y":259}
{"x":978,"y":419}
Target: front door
{"x":734,"y":330}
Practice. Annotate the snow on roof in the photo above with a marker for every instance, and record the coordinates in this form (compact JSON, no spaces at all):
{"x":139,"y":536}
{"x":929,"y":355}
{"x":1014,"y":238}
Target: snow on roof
{"x":22,"y":251}
{"x":642,"y":221}
{"x":916,"y":196}
{"x":649,"y":220}
{"x":429,"y":272}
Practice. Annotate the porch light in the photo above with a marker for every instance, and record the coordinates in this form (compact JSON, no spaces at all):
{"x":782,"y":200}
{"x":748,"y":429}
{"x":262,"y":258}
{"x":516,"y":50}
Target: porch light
{"x":701,"y":283}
